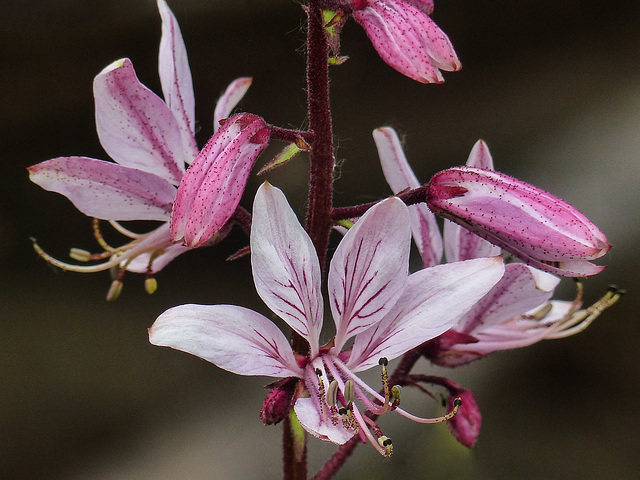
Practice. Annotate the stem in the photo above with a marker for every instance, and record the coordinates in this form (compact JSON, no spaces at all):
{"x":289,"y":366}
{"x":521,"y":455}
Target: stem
{"x":321,"y":155}
{"x":409,"y":197}
{"x":294,"y":460}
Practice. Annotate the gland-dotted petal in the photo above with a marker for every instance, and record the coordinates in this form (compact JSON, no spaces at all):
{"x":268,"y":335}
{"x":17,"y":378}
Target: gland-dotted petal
{"x":136,"y":128}
{"x":233,"y":338}
{"x":399,"y":175}
{"x":106,"y":190}
{"x":285,"y":265}
{"x":229,"y":99}
{"x":323,"y":428}
{"x":433,"y":300}
{"x":369,"y":268}
{"x":175,"y":78}
{"x":211,"y":189}
{"x":519,"y":290}
{"x":528,"y":222}
{"x":460,"y":243}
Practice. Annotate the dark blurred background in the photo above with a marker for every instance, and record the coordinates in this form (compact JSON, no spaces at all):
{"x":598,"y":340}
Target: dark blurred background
{"x":552,"y":87}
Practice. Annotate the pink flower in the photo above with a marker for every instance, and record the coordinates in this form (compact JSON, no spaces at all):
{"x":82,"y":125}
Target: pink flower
{"x":518,"y":311}
{"x":406,"y":38}
{"x":373,"y":301}
{"x":151,"y":141}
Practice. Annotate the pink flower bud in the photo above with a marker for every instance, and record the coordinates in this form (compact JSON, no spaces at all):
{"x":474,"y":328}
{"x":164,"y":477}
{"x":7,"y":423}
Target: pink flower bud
{"x":211,"y":188}
{"x":465,"y":425}
{"x":406,"y":38}
{"x":528,"y":222}
{"x":279,"y":401}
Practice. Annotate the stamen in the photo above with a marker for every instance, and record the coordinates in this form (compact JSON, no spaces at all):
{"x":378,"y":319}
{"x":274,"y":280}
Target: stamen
{"x":349,"y":396}
{"x":448,"y":416}
{"x":321,"y":394}
{"x":99,"y":238}
{"x":395,"y":396}
{"x":332,"y":393}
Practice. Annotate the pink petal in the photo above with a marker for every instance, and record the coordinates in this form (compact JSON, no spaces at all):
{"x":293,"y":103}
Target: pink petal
{"x":518,"y":291}
{"x":175,"y":78}
{"x":211,"y":189}
{"x":399,"y":175}
{"x":460,"y":243}
{"x":407,"y":39}
{"x":136,"y":128}
{"x":434,"y":299}
{"x":229,"y":99}
{"x":528,"y":222}
{"x":324,"y":429}
{"x":233,"y":338}
{"x":106,"y":190}
{"x":285,"y":266}
{"x":369,"y":268}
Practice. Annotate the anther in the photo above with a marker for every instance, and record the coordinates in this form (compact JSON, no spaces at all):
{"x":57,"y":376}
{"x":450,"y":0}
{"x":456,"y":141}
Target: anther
{"x":150,"y":285}
{"x":395,"y":395}
{"x":114,"y":290}
{"x":80,"y":254}
{"x":349,"y":395}
{"x":332,"y":393}
{"x":386,"y":443}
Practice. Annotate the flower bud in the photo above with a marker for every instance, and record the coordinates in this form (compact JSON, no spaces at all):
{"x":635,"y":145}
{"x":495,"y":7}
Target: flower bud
{"x":406,"y":38}
{"x":533,"y":225}
{"x":211,"y":188}
{"x":279,"y":401}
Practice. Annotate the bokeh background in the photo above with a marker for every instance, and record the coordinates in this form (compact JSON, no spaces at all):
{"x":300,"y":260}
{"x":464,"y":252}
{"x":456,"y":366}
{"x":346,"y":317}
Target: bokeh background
{"x":552,"y":87}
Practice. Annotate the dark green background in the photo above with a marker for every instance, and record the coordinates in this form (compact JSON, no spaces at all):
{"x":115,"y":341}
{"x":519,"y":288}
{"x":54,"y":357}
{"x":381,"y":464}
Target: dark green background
{"x":554,"y":89}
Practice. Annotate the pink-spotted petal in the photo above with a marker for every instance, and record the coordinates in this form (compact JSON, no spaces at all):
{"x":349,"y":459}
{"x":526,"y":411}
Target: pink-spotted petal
{"x":175,"y":78}
{"x":519,"y":290}
{"x":136,"y":128}
{"x":323,"y":428}
{"x":285,"y":265}
{"x":229,"y":99}
{"x":211,"y":189}
{"x":106,"y":190}
{"x":233,"y":338}
{"x":399,"y":176}
{"x":433,"y":300}
{"x":369,"y":268}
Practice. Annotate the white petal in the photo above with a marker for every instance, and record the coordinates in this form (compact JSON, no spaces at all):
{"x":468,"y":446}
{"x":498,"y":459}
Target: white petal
{"x":285,"y":265}
{"x":233,"y":338}
{"x":519,"y":290}
{"x":310,"y":418}
{"x":136,"y":128}
{"x":369,"y":268}
{"x":175,"y":78}
{"x":229,"y":99}
{"x":433,"y":300}
{"x":399,"y":175}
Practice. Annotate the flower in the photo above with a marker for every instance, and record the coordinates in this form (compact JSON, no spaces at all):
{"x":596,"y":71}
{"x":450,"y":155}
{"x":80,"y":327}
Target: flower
{"x":372,"y":298}
{"x":150,"y":140}
{"x":518,"y":311}
{"x":406,"y":38}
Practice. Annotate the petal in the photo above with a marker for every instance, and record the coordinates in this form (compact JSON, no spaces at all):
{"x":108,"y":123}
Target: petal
{"x":211,"y":189}
{"x":233,"y":338}
{"x":324,"y":429}
{"x":175,"y":78}
{"x":518,"y":291}
{"x":433,"y":300}
{"x":285,"y":265}
{"x":136,"y":128}
{"x":369,"y":268}
{"x":460,"y":243}
{"x":407,"y":39}
{"x":229,"y":99}
{"x":106,"y":190}
{"x":399,"y":175}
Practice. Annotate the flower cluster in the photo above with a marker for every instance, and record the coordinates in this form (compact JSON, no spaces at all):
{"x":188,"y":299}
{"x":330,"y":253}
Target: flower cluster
{"x":450,"y":312}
